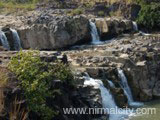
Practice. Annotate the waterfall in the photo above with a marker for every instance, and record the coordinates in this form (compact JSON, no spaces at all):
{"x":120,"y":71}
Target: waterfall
{"x":94,"y":33}
{"x":126,"y":89}
{"x":4,"y":40}
{"x":135,"y":26}
{"x":111,"y":84}
{"x":107,"y":99}
{"x":17,"y":42}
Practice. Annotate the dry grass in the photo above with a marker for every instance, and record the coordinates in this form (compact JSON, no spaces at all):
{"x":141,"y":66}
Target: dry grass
{"x":17,"y":113}
{"x":117,"y":13}
{"x":10,"y":7}
{"x":98,"y":1}
{"x":3,"y":77}
{"x":3,"y":84}
{"x":2,"y":104}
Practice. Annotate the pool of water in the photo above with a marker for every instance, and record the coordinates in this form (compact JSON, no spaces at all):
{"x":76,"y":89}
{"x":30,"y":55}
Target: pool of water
{"x":155,"y":113}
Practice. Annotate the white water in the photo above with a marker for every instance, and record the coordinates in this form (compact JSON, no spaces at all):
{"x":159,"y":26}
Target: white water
{"x":135,"y":26}
{"x":94,"y":33}
{"x":111,"y":84}
{"x":107,"y":99}
{"x":4,"y":40}
{"x":17,"y":42}
{"x":144,"y":34}
{"x":127,"y":90}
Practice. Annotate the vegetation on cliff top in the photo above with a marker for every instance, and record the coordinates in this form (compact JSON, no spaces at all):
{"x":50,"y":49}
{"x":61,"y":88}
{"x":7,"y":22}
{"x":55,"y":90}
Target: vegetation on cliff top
{"x":16,"y":5}
{"x":149,"y":15}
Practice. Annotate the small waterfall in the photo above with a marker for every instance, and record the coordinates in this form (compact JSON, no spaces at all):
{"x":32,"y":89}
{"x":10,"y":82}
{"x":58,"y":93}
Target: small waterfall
{"x":124,"y":85}
{"x":4,"y":40}
{"x":17,"y":42}
{"x":111,"y":84}
{"x":127,"y":90}
{"x":135,"y":26}
{"x":94,"y":33}
{"x":107,"y":99}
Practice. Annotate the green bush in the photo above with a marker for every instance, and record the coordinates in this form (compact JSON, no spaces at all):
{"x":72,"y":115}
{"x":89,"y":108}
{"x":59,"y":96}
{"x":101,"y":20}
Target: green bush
{"x":77,"y":11}
{"x":35,"y":78}
{"x":149,"y":15}
{"x":101,"y":13}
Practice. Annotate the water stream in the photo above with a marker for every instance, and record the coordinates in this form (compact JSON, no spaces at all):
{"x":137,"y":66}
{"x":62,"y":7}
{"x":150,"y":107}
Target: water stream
{"x":107,"y":99}
{"x":4,"y":40}
{"x":127,"y":90}
{"x":17,"y":42}
{"x":94,"y":33}
{"x":135,"y":27}
{"x":111,"y":84}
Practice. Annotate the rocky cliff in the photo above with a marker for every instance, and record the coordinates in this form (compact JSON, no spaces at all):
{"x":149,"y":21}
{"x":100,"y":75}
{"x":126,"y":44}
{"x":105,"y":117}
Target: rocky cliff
{"x":138,"y":56}
{"x":46,"y":31}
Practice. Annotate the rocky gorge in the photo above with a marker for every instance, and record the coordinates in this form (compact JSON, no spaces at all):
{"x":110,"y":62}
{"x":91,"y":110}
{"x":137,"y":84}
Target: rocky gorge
{"x":113,"y":63}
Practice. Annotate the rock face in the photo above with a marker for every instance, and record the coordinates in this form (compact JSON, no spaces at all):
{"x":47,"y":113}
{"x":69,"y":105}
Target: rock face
{"x":144,"y":77}
{"x":138,"y":56}
{"x":111,"y":27}
{"x":48,"y":31}
{"x":54,"y":32}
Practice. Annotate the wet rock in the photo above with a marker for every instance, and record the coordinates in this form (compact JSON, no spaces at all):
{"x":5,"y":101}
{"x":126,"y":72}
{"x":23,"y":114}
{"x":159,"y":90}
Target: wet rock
{"x":102,"y":27}
{"x":93,"y":72}
{"x":119,"y":97}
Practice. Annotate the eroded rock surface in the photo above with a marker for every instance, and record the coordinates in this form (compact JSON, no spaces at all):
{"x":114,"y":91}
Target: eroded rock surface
{"x":137,"y":55}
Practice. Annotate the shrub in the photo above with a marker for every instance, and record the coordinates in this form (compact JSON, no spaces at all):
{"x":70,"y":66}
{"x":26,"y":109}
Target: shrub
{"x":77,"y":11}
{"x":149,"y":15}
{"x":35,"y":78}
{"x":117,"y":13}
{"x":101,"y":13}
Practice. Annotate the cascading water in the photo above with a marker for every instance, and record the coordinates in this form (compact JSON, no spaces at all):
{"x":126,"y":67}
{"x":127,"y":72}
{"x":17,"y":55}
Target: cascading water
{"x":135,"y":26}
{"x":107,"y":99}
{"x":111,"y":84}
{"x":4,"y":40}
{"x":127,"y":90}
{"x":17,"y":42}
{"x":94,"y":33}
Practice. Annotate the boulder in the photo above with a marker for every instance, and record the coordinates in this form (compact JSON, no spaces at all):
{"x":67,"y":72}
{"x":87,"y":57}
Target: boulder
{"x":102,"y":26}
{"x":111,"y":27}
{"x":55,"y":32}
